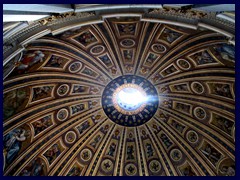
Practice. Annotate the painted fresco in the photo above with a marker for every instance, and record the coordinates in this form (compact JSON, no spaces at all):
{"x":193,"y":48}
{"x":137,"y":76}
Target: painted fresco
{"x":62,"y":117}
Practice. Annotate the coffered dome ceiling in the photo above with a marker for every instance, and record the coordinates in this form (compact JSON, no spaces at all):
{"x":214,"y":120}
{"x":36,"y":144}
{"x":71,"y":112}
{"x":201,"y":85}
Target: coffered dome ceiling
{"x":63,"y":112}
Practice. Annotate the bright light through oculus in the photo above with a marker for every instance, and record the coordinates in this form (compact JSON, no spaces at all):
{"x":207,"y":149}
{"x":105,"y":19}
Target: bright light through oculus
{"x":131,"y":96}
{"x":130,"y":100}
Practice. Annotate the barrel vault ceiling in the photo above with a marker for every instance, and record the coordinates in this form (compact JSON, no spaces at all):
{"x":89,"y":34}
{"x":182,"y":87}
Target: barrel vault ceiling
{"x":56,"y":70}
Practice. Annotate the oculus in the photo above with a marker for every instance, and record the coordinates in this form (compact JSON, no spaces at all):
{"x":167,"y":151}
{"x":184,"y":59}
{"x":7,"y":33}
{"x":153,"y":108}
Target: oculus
{"x":130,"y":100}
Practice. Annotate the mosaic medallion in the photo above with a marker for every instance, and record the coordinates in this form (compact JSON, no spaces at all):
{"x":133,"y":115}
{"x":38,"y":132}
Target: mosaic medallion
{"x":130,"y":100}
{"x":192,"y":136}
{"x":75,"y":67}
{"x":127,"y":43}
{"x":70,"y":137}
{"x":107,"y":165}
{"x":130,"y":169}
{"x":155,"y":166}
{"x":63,"y":90}
{"x":183,"y":64}
{"x":96,"y":50}
{"x":158,"y":48}
{"x":62,"y":114}
{"x":85,"y":155}
{"x":197,"y":88}
{"x":176,"y":155}
{"x":200,"y":113}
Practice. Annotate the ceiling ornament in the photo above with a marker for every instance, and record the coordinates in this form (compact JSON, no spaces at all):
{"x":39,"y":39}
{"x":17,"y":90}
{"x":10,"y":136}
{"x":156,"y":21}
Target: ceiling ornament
{"x":121,"y":97}
{"x":130,"y":100}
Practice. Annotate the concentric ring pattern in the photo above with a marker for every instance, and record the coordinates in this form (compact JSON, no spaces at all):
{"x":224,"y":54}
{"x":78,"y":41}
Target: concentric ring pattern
{"x":130,"y":114}
{"x":54,"y":122}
